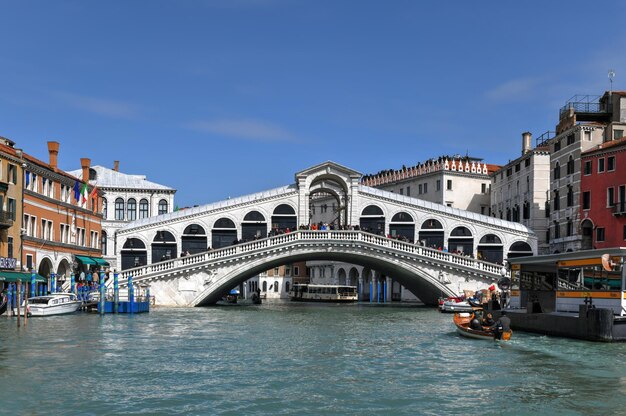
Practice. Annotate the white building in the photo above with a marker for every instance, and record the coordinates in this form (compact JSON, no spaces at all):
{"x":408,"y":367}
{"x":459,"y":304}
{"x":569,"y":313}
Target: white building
{"x":127,"y":198}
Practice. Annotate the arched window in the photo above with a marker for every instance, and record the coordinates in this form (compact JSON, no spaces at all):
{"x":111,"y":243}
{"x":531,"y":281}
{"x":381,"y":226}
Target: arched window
{"x":284,"y":209}
{"x":276,"y":286}
{"x":131,"y":210}
{"x":570,"y":195}
{"x":287,"y":287}
{"x":254,"y":216}
{"x":162,"y":207}
{"x":570,"y":166}
{"x":104,"y":208}
{"x":372,"y":210}
{"x":103,"y":243}
{"x":264,"y":286}
{"x":119,"y":209}
{"x":402,"y":217}
{"x":557,"y":171}
{"x":557,"y":200}
{"x":144,"y":211}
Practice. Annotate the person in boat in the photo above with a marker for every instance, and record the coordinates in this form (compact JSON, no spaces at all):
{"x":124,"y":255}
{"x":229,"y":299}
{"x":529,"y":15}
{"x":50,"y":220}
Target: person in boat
{"x":503,"y":324}
{"x":475,"y":323}
{"x":488,"y":320}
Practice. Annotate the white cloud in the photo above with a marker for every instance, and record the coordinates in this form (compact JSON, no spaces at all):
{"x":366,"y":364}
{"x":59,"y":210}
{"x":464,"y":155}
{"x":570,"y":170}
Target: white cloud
{"x":515,"y":90}
{"x":246,"y":129}
{"x":100,"y":106}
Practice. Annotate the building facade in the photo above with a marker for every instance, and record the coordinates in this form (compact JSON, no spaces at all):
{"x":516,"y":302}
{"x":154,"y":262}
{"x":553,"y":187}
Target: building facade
{"x":127,"y":198}
{"x":519,"y":190}
{"x":276,"y":283}
{"x":61,"y":223}
{"x":603,"y":196}
{"x":11,"y":177}
{"x":459,"y":182}
{"x":584,"y":124}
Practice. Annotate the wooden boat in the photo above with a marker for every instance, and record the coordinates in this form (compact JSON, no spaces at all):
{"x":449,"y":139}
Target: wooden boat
{"x":462,"y":322}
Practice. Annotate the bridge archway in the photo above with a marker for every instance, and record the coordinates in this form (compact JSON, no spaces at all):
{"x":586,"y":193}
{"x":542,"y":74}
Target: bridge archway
{"x":402,"y":225}
{"x":490,"y":249}
{"x":413,"y":277}
{"x":224,"y":233}
{"x":194,"y":239}
{"x":431,"y":233}
{"x":372,"y":220}
{"x":327,"y":200}
{"x":284,"y":217}
{"x":353,"y":277}
{"x":461,"y":240}
{"x":253,"y":226}
{"x":134,"y":254}
{"x":163,"y":246}
{"x":520,"y":249}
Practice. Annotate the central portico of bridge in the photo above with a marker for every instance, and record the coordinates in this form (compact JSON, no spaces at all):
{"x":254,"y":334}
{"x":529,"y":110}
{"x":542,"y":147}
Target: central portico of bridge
{"x":253,"y":233}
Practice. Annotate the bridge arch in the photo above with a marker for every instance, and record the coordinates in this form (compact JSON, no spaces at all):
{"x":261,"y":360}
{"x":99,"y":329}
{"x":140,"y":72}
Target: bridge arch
{"x":63,"y":270}
{"x":224,"y":232}
{"x":194,"y":239}
{"x":461,"y":240}
{"x":431,"y":233}
{"x":45,"y":267}
{"x":490,"y":248}
{"x":520,"y":249}
{"x":401,"y":225}
{"x":372,"y":219}
{"x":284,"y":217}
{"x":253,"y":225}
{"x":164,"y":246}
{"x":134,"y":253}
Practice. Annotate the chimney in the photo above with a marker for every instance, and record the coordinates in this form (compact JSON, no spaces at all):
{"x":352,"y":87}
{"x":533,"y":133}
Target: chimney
{"x":116,"y":165}
{"x":85,"y":163}
{"x":526,"y":142}
{"x":53,"y":150}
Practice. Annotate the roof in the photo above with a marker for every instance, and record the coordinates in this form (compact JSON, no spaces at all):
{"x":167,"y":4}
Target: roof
{"x":606,"y":146}
{"x":446,"y":209}
{"x":210,"y":207}
{"x":34,"y":161}
{"x":109,"y":178}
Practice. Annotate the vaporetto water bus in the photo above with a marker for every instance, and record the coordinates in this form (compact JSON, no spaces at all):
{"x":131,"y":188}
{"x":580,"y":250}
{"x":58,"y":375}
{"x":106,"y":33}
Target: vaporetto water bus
{"x":323,"y":293}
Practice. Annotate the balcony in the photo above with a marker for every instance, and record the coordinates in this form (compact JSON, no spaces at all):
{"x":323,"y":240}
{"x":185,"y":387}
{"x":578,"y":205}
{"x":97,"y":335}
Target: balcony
{"x":586,"y":108}
{"x":619,"y":208}
{"x":6,"y":219}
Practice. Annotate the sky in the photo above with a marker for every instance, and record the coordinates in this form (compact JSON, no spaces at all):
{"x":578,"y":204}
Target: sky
{"x":222,"y":98}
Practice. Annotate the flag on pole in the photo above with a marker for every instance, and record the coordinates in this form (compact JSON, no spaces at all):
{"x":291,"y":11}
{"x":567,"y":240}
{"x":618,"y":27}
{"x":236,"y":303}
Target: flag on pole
{"x":94,"y":192}
{"x":84,"y":192}
{"x":76,"y":191}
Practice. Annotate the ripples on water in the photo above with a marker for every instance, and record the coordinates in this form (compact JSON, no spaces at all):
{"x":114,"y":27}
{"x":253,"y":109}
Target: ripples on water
{"x":286,"y":359}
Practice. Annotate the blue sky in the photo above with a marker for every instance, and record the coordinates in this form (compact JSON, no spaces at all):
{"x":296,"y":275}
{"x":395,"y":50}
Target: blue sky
{"x":225,"y":98}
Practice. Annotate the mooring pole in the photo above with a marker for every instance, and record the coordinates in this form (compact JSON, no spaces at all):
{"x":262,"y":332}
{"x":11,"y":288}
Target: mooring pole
{"x":19,"y":296}
{"x":131,"y":294}
{"x":102,"y":297}
{"x":116,"y":292}
{"x":53,"y":283}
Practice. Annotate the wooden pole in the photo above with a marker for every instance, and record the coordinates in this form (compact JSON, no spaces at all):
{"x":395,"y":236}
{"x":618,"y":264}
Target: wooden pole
{"x":26,"y":305}
{"x":19,"y":295}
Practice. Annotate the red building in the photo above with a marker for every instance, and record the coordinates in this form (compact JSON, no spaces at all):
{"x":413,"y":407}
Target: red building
{"x":603,"y":195}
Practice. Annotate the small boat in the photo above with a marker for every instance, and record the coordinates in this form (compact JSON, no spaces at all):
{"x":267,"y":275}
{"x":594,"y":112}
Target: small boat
{"x":462,"y":322}
{"x":233,"y":299}
{"x":455,"y":306}
{"x":52,"y":304}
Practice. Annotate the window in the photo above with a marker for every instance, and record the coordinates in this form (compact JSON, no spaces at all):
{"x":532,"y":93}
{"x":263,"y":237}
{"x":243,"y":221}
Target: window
{"x":587,"y":200}
{"x":588,"y":167}
{"x":119,"y":209}
{"x":296,"y":270}
{"x":483,"y":188}
{"x":610,"y":164}
{"x":526,"y":212}
{"x":571,"y":139}
{"x":509,"y":172}
{"x":599,"y":234}
{"x":12,"y":174}
{"x":131,"y":210}
{"x":103,"y":243}
{"x":276,"y":286}
{"x":557,"y":231}
{"x":162,"y":207}
{"x":557,"y":201}
{"x":618,"y":134}
{"x":570,"y":227}
{"x":420,"y":189}
{"x":517,"y":167}
{"x":600,"y":165}
{"x":610,"y":197}
{"x":104,"y":208}
{"x":408,"y":191}
{"x":401,"y":191}
{"x":557,"y":171}
{"x":29,"y":262}
{"x":527,"y":163}
{"x":570,"y":196}
{"x":425,"y":188}
{"x":9,"y":247}
{"x":587,"y":136}
{"x":570,"y":166}
{"x":624,"y":232}
{"x":143,"y":209}
{"x":11,"y":207}
{"x":547,"y":209}
{"x":438,"y":185}
{"x":557,"y":145}
{"x":449,"y":184}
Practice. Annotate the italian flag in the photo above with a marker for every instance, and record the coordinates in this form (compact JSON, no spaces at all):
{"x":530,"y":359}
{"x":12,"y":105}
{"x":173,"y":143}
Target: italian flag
{"x":84,"y":192}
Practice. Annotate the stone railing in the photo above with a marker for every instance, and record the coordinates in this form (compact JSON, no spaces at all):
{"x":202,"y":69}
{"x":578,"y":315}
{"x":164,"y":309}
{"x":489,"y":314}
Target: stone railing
{"x":332,"y":237}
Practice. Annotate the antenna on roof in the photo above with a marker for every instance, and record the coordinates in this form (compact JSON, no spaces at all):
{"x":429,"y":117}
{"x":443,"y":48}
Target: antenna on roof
{"x":611,"y":76}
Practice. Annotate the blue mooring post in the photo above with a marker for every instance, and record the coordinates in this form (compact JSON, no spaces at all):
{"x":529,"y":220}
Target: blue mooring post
{"x":385,"y":291}
{"x":14,"y":296}
{"x":53,"y":283}
{"x":131,"y":294}
{"x":9,"y":300}
{"x":33,"y":284}
{"x":73,"y":282}
{"x":116,"y":292}
{"x":378,"y":291}
{"x":371,"y":291}
{"x":102,"y":297}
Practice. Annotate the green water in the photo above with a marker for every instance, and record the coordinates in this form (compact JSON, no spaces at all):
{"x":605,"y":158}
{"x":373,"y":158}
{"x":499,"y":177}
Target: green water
{"x":297,"y":359}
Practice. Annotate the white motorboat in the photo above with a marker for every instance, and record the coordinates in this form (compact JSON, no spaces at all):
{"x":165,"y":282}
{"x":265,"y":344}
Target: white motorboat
{"x":52,"y":304}
{"x":453,"y":306}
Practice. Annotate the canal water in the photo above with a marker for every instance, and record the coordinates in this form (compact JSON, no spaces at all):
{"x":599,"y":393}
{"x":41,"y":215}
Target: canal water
{"x":297,"y":359}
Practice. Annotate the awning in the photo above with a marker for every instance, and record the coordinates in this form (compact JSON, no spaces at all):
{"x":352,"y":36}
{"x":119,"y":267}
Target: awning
{"x":86,"y":260}
{"x":12,"y":277}
{"x":96,"y":261}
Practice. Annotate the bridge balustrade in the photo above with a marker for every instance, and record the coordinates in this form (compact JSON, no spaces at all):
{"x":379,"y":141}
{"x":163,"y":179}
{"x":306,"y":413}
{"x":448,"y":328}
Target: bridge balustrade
{"x":307,"y":235}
